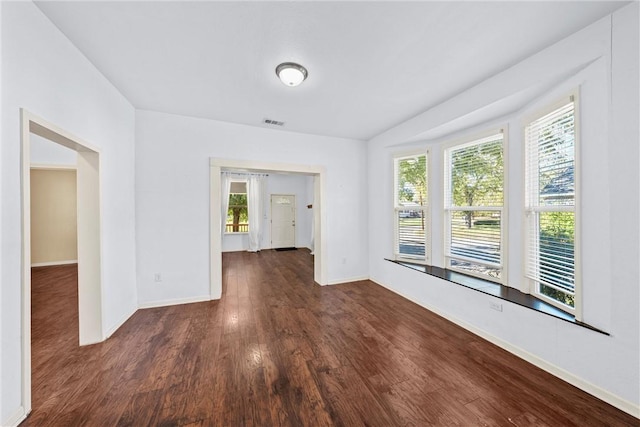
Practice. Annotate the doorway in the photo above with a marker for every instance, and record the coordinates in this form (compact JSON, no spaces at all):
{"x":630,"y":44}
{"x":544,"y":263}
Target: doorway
{"x":216,"y":166}
{"x":88,"y":238}
{"x":283,"y":221}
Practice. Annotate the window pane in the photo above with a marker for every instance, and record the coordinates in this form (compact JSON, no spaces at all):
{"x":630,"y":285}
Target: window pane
{"x":411,"y":181}
{"x":554,"y":261}
{"x":477,"y":174}
{"x":410,"y":174}
{"x":553,"y":141}
{"x":476,"y":180}
{"x":562,"y":297}
{"x":475,"y":235}
{"x":411,"y":228}
{"x":238,"y":214}
{"x":471,"y":267}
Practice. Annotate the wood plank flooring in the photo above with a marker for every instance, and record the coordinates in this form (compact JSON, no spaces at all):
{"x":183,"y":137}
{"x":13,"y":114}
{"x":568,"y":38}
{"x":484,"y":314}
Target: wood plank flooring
{"x":278,"y":350}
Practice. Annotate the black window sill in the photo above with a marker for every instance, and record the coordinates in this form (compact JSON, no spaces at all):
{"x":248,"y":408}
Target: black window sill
{"x":497,"y":290}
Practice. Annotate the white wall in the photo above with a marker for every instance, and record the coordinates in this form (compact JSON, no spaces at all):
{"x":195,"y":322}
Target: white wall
{"x":172,"y":197}
{"x":623,"y":189}
{"x":45,"y":152}
{"x":604,"y":365}
{"x":279,"y":184}
{"x":12,"y":411}
{"x":45,"y":74}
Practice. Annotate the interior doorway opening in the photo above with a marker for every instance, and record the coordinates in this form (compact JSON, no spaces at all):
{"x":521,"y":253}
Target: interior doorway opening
{"x":87,"y":168}
{"x":318,"y":176}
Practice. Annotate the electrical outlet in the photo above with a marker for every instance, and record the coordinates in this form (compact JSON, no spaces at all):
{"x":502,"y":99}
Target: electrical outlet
{"x":157,"y":278}
{"x":495,"y":306}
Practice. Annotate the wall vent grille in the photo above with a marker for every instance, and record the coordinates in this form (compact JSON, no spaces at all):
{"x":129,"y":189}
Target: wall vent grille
{"x":273,"y":122}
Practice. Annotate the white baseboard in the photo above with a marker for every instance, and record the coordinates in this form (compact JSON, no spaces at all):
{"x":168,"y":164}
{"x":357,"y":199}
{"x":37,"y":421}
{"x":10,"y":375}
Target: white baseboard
{"x":15,"y":419}
{"x":177,"y":301}
{"x":348,"y":280}
{"x":594,"y":390}
{"x":86,"y":343}
{"x":51,"y":263}
{"x":119,"y":323}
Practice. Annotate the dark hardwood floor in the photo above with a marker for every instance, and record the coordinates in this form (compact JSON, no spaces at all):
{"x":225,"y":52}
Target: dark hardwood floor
{"x":279,"y":350}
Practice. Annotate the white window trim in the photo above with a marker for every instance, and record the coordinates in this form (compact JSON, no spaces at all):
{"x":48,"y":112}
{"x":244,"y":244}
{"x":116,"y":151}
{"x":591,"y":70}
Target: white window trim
{"x":426,"y":210}
{"x":532,"y":284}
{"x":504,"y":217}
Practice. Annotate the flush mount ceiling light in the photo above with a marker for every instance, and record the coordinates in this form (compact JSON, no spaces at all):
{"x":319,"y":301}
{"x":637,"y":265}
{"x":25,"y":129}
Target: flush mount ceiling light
{"x":291,"y":74}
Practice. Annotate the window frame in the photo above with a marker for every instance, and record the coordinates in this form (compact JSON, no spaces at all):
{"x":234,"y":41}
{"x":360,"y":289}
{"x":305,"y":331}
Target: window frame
{"x":532,"y":284}
{"x":235,"y":233}
{"x":426,"y":209}
{"x":448,"y":208}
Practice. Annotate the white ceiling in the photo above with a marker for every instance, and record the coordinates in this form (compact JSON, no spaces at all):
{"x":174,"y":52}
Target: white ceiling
{"x":372,"y":65}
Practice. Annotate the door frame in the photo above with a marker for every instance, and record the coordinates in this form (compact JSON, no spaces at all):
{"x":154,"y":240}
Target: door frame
{"x":295,"y":213}
{"x":217,"y":165}
{"x":90,"y":322}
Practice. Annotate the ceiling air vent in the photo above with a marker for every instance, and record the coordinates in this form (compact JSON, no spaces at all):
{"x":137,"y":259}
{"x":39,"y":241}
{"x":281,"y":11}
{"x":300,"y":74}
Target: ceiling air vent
{"x":273,"y":122}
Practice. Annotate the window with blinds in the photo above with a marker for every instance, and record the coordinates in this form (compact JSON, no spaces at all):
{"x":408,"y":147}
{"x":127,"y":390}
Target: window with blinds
{"x":550,"y":204}
{"x":474,"y":201}
{"x":410,"y":208}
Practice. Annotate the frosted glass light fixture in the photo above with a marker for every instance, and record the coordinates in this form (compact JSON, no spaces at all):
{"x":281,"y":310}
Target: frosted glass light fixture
{"x":291,"y":74}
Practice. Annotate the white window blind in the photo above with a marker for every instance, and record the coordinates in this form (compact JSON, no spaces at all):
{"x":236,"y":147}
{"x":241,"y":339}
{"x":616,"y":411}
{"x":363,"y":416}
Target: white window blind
{"x":474,"y":200}
{"x":550,"y":204}
{"x":410,"y":208}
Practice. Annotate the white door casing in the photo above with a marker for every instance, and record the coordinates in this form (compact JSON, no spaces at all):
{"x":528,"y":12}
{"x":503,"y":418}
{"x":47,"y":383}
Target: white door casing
{"x":90,"y":322}
{"x":283,"y":221}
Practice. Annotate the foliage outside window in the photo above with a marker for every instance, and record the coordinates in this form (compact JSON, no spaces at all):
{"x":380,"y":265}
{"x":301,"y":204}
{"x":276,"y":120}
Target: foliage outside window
{"x":410,"y":208}
{"x":238,"y":213}
{"x":551,"y":205}
{"x":474,"y":202}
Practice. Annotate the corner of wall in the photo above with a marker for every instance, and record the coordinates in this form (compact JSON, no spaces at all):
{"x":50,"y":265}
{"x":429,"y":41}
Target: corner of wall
{"x":15,"y":419}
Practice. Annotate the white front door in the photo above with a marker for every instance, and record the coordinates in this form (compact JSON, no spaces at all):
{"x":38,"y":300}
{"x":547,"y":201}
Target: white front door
{"x":283,"y":221}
